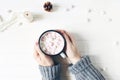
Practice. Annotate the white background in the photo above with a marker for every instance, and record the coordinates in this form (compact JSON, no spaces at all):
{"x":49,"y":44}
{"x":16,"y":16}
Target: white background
{"x":99,"y":38}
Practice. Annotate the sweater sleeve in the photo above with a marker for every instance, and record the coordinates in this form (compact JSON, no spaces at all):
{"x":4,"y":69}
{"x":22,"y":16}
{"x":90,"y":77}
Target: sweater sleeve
{"x":50,"y":72}
{"x":84,"y":70}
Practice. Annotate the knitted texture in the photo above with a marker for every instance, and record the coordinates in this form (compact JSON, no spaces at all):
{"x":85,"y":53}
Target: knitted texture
{"x":84,"y":70}
{"x":50,"y":72}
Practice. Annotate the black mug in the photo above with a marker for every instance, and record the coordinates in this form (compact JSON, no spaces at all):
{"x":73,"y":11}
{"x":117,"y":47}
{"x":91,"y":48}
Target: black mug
{"x":52,"y":43}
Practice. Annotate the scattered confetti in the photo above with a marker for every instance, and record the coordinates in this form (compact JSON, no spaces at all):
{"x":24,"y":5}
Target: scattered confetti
{"x":20,"y":24}
{"x":67,"y":9}
{"x":110,"y":19}
{"x":117,"y":43}
{"x":104,"y":12}
{"x":73,"y":6}
{"x":89,"y":20}
{"x":89,"y":11}
{"x":103,"y":69}
{"x":9,"y":11}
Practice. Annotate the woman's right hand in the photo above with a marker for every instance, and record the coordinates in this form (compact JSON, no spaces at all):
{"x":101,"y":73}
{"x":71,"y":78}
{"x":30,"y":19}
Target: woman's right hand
{"x":71,"y":49}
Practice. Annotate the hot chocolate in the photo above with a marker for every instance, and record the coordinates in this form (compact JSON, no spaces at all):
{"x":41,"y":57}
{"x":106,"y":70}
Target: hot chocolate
{"x":52,"y":43}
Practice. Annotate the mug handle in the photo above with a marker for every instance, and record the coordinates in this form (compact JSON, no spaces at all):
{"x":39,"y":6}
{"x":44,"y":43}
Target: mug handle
{"x":63,"y":55}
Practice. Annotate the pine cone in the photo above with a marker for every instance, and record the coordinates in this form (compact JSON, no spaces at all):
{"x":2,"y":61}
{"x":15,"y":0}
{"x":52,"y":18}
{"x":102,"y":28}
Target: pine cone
{"x":48,"y":6}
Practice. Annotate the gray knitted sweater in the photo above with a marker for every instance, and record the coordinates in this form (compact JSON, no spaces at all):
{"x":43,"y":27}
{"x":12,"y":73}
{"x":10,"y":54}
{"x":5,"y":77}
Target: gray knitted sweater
{"x":83,"y":70}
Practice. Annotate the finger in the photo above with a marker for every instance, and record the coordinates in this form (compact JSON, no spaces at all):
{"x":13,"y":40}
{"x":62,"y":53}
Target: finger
{"x":72,"y":39}
{"x":61,"y":31}
{"x":64,"y":34}
{"x":67,"y":39}
{"x":36,"y":55}
{"x":37,"y":49}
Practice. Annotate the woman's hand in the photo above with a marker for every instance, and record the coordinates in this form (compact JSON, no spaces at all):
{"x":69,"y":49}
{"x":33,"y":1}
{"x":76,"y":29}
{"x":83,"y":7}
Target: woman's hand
{"x":41,"y":58}
{"x":71,"y":50}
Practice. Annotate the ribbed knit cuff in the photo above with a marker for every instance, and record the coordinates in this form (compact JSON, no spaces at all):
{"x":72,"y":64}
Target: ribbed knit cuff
{"x":84,"y":70}
{"x":82,"y":64}
{"x":50,"y":72}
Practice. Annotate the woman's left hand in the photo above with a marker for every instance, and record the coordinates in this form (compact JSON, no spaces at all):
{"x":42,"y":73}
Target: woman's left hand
{"x":41,"y":58}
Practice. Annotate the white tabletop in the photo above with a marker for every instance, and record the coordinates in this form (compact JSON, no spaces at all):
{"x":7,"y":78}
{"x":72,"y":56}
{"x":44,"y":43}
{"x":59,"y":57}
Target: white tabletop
{"x":94,"y":23}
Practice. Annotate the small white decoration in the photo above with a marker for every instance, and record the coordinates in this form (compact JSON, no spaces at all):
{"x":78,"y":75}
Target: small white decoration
{"x":8,"y":23}
{"x":28,"y":15}
{"x":1,"y":19}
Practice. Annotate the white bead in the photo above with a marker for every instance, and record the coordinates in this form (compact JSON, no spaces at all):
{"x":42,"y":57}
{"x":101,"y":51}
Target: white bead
{"x":28,"y":15}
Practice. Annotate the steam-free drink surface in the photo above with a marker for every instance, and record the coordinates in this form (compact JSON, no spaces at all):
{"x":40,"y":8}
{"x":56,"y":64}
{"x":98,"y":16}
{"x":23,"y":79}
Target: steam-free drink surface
{"x":52,"y":43}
